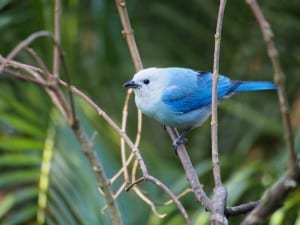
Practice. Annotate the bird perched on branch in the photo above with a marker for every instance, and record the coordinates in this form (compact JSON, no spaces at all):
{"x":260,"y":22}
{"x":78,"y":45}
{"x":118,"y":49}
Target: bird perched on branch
{"x":181,"y":97}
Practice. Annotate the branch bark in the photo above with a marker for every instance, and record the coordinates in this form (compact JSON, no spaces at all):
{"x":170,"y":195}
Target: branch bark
{"x":276,"y":195}
{"x":220,"y":192}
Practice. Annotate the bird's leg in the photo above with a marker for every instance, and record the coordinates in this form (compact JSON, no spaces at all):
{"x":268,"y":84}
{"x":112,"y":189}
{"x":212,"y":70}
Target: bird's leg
{"x":181,"y":139}
{"x":164,"y":126}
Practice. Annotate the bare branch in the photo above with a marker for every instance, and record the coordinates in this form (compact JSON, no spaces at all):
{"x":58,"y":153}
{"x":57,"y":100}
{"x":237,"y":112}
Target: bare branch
{"x":58,"y":99}
{"x":191,"y":173}
{"x":214,"y":112}
{"x":57,"y":28}
{"x":240,"y":209}
{"x":25,"y":77}
{"x":128,"y":34}
{"x":275,"y":196}
{"x":106,"y":117}
{"x":220,"y":193}
{"x":148,"y":202}
{"x":278,"y":78}
{"x":103,"y":182}
{"x":171,"y":195}
{"x":180,"y":195}
{"x":23,"y":44}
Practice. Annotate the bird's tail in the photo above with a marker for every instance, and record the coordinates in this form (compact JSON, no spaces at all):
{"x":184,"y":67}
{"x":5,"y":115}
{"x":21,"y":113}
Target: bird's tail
{"x":254,"y":86}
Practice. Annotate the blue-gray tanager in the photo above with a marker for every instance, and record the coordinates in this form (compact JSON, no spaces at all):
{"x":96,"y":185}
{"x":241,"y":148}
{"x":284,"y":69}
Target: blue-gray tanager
{"x":181,"y":97}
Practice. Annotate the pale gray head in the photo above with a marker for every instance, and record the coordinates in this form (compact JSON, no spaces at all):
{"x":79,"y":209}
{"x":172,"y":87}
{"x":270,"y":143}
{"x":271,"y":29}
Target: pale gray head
{"x":147,"y":83}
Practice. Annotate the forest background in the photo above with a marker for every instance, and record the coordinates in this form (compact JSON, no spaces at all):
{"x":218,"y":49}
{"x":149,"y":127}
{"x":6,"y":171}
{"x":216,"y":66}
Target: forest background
{"x":168,"y":33}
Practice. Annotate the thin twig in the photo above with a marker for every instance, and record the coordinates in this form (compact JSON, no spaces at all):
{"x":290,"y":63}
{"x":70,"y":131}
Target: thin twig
{"x":214,"y":112}
{"x":171,"y":195}
{"x":23,"y":44}
{"x":123,"y":146}
{"x":112,"y":123}
{"x":24,"y":77}
{"x":57,"y":31}
{"x":58,"y":99}
{"x":128,"y":34}
{"x":103,"y":182}
{"x":220,"y":193}
{"x":191,"y":173}
{"x":56,"y":95}
{"x":148,"y":202}
{"x":241,"y":209}
{"x":275,"y":196}
{"x":278,"y":78}
{"x":180,"y":195}
{"x":121,"y":171}
{"x":59,"y":57}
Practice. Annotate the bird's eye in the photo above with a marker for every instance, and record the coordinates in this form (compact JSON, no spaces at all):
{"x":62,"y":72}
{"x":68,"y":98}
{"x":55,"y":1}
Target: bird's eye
{"x":146,"y":81}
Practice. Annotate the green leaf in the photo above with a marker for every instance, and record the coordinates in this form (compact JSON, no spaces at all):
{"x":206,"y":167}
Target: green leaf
{"x":20,"y":144}
{"x":22,"y":125}
{"x":20,"y":177}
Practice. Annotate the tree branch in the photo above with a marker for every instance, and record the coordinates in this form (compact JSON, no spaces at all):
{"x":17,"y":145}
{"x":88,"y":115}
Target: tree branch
{"x":57,"y":28}
{"x":59,"y":101}
{"x":275,"y":196}
{"x":278,"y":78}
{"x":191,"y":173}
{"x":220,"y":193}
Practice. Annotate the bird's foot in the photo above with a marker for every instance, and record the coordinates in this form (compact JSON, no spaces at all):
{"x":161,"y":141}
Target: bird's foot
{"x":179,"y":141}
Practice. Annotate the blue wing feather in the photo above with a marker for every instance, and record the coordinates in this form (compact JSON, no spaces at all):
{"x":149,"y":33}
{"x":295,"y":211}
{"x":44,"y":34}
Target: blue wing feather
{"x":196,"y":92}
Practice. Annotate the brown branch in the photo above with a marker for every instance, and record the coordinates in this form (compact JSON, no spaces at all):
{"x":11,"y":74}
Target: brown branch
{"x":278,"y":78}
{"x":214,"y":112}
{"x":59,"y":101}
{"x":148,"y":202}
{"x":275,"y":196}
{"x":56,"y":95}
{"x":57,"y":30}
{"x":23,"y":44}
{"x":171,"y":196}
{"x":128,"y":35}
{"x":103,"y":182}
{"x":220,"y":193}
{"x":58,"y":57}
{"x":112,"y":123}
{"x":240,"y":209}
{"x":191,"y":173}
{"x":24,"y":77}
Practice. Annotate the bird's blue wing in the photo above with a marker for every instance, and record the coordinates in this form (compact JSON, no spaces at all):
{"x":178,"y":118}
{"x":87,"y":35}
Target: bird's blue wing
{"x":185,"y":96}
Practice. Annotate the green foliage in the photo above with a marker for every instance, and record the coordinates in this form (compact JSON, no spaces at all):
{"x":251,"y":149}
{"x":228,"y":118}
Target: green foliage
{"x":168,"y":33}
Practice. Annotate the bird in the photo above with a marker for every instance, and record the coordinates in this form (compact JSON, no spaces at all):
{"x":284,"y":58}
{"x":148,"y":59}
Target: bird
{"x":181,"y":97}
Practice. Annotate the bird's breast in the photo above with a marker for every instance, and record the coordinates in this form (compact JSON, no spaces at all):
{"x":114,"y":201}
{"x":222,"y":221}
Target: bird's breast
{"x":167,"y":116}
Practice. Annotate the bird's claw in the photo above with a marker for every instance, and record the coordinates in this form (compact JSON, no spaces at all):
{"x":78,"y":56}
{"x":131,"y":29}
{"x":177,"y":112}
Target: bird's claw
{"x":179,"y":141}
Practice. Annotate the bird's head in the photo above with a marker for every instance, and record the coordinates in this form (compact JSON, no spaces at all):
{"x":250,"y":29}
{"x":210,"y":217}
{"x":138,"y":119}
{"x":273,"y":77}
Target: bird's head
{"x":146,"y":83}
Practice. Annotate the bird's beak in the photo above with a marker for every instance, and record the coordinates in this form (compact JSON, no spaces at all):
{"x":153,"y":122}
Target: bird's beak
{"x":131,"y":84}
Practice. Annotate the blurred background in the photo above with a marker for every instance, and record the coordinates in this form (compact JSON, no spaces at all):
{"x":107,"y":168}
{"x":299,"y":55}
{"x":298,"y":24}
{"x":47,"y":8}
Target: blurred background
{"x":168,"y":33}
